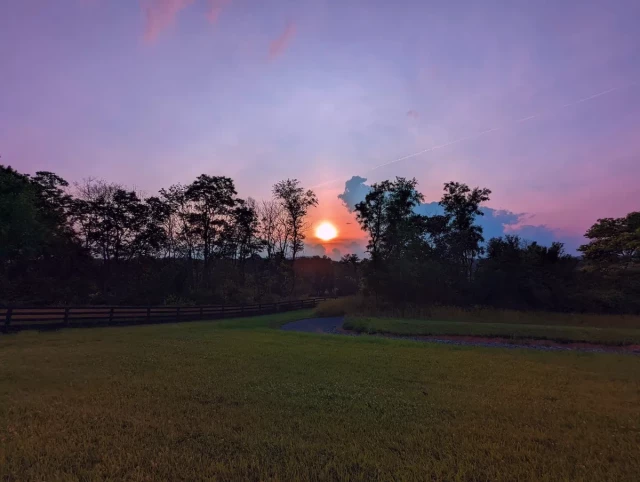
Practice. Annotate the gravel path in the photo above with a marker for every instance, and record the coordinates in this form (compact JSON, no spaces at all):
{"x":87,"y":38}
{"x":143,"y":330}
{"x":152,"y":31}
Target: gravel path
{"x":333,"y":326}
{"x":316,"y":325}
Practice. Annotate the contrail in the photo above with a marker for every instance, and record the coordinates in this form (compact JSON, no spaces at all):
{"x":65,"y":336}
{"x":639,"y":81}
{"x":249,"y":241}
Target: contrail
{"x":487,"y":131}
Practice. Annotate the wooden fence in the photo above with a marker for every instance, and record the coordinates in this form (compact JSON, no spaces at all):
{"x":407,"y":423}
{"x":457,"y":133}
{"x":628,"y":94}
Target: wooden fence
{"x":47,"y":318}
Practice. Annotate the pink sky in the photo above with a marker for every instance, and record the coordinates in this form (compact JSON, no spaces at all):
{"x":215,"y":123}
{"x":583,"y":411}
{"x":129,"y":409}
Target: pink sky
{"x":154,"y":92}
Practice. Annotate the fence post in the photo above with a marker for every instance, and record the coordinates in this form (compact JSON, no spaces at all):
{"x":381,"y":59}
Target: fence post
{"x":148,"y":314}
{"x":260,"y":308}
{"x":66,"y":317}
{"x":7,"y":320}
{"x":178,"y":313}
{"x":222,"y":311}
{"x":111,"y":316}
{"x":242,"y":309}
{"x":201,"y":313}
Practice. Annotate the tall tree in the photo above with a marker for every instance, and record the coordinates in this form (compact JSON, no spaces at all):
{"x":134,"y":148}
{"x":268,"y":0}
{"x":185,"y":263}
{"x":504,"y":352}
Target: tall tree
{"x":372,"y":217}
{"x":23,"y":229}
{"x":464,"y":238}
{"x":180,"y":234}
{"x":388,"y":215}
{"x":245,"y":231}
{"x":296,"y":203}
{"x":213,"y":199}
{"x":270,"y":215}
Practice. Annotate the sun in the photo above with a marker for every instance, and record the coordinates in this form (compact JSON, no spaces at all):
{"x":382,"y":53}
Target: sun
{"x":326,"y":231}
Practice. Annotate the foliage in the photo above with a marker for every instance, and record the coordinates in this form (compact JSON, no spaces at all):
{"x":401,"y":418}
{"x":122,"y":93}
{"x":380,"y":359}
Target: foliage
{"x":197,"y":243}
{"x":614,"y":241}
{"x":102,"y":243}
{"x":443,"y":259}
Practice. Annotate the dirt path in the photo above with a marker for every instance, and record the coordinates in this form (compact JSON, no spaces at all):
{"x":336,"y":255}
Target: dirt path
{"x":334,"y":326}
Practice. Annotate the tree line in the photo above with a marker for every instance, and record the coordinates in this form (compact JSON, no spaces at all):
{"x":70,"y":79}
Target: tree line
{"x":444,"y":259}
{"x":102,"y":243}
{"x":99,"y":242}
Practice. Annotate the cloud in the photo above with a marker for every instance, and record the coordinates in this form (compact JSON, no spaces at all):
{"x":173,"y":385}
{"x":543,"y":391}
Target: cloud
{"x":414,"y":114}
{"x":314,"y":250}
{"x":336,"y":254}
{"x":494,"y":223}
{"x":160,"y":15}
{"x":355,"y":191}
{"x":215,"y":8}
{"x":279,"y":44}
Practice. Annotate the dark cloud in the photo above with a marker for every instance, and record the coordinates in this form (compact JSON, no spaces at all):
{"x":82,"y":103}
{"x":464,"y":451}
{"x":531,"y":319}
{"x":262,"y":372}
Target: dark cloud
{"x":355,"y":190}
{"x":336,"y":254}
{"x":495,"y":222}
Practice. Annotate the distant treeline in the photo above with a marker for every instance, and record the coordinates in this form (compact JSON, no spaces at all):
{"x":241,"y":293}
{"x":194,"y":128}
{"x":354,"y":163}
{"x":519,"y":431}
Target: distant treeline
{"x":444,"y":259}
{"x":101,"y":243}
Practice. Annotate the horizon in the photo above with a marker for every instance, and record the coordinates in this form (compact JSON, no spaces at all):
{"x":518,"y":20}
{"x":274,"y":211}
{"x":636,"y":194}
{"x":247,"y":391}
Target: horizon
{"x":154,"y":93}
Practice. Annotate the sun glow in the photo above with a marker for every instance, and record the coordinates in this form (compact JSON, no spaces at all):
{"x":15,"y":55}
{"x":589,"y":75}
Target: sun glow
{"x":326,"y":231}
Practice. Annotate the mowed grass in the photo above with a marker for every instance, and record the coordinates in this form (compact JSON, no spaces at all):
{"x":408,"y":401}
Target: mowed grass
{"x":198,"y":401}
{"x":562,"y":334}
{"x":359,"y":306}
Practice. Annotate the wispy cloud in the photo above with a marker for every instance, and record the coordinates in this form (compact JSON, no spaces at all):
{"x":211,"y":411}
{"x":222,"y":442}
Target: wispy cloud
{"x":280,"y":44}
{"x":215,"y":8}
{"x":159,"y":15}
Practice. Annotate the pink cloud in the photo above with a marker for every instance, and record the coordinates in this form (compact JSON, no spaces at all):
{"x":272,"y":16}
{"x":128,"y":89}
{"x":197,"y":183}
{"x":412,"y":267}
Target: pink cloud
{"x":215,"y":8}
{"x":159,"y":15}
{"x":413,"y":114}
{"x":280,"y":44}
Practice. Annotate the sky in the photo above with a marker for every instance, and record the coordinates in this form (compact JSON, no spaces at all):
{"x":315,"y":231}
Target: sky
{"x":538,"y":101}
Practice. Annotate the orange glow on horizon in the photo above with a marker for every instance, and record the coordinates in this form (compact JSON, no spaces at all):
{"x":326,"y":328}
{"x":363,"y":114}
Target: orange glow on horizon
{"x":326,"y":231}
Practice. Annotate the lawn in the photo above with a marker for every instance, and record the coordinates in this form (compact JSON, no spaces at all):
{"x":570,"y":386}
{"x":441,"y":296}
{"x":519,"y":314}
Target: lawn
{"x":563,"y":334}
{"x":238,"y":400}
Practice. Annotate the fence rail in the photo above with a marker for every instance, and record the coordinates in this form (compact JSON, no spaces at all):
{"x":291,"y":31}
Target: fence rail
{"x":46,"y":318}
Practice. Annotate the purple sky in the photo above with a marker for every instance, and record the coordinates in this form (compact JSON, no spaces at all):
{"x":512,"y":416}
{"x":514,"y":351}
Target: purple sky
{"x":154,"y":92}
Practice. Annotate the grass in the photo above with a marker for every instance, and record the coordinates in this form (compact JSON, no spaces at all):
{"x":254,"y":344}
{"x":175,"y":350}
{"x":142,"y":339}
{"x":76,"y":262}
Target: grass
{"x":359,"y":306}
{"x":237,"y":401}
{"x":562,"y":334}
{"x":267,"y":321}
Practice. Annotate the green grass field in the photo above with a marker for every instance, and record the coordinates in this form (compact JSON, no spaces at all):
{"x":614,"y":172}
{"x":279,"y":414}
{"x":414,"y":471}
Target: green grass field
{"x":238,"y":400}
{"x":359,"y":306}
{"x":563,"y":334}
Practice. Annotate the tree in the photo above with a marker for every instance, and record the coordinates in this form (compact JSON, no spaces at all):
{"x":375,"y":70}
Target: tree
{"x":388,"y":215}
{"x":245,"y":238}
{"x":213,"y":199}
{"x":40,"y":259}
{"x":23,"y":228}
{"x":614,"y":241}
{"x":271,"y":217}
{"x":180,"y":234}
{"x":116,"y":225}
{"x":295,"y":202}
{"x":463,"y":238}
{"x":371,"y":214}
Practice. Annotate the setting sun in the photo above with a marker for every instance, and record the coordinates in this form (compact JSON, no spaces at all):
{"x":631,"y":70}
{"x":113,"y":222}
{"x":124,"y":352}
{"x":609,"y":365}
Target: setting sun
{"x":326,"y":231}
